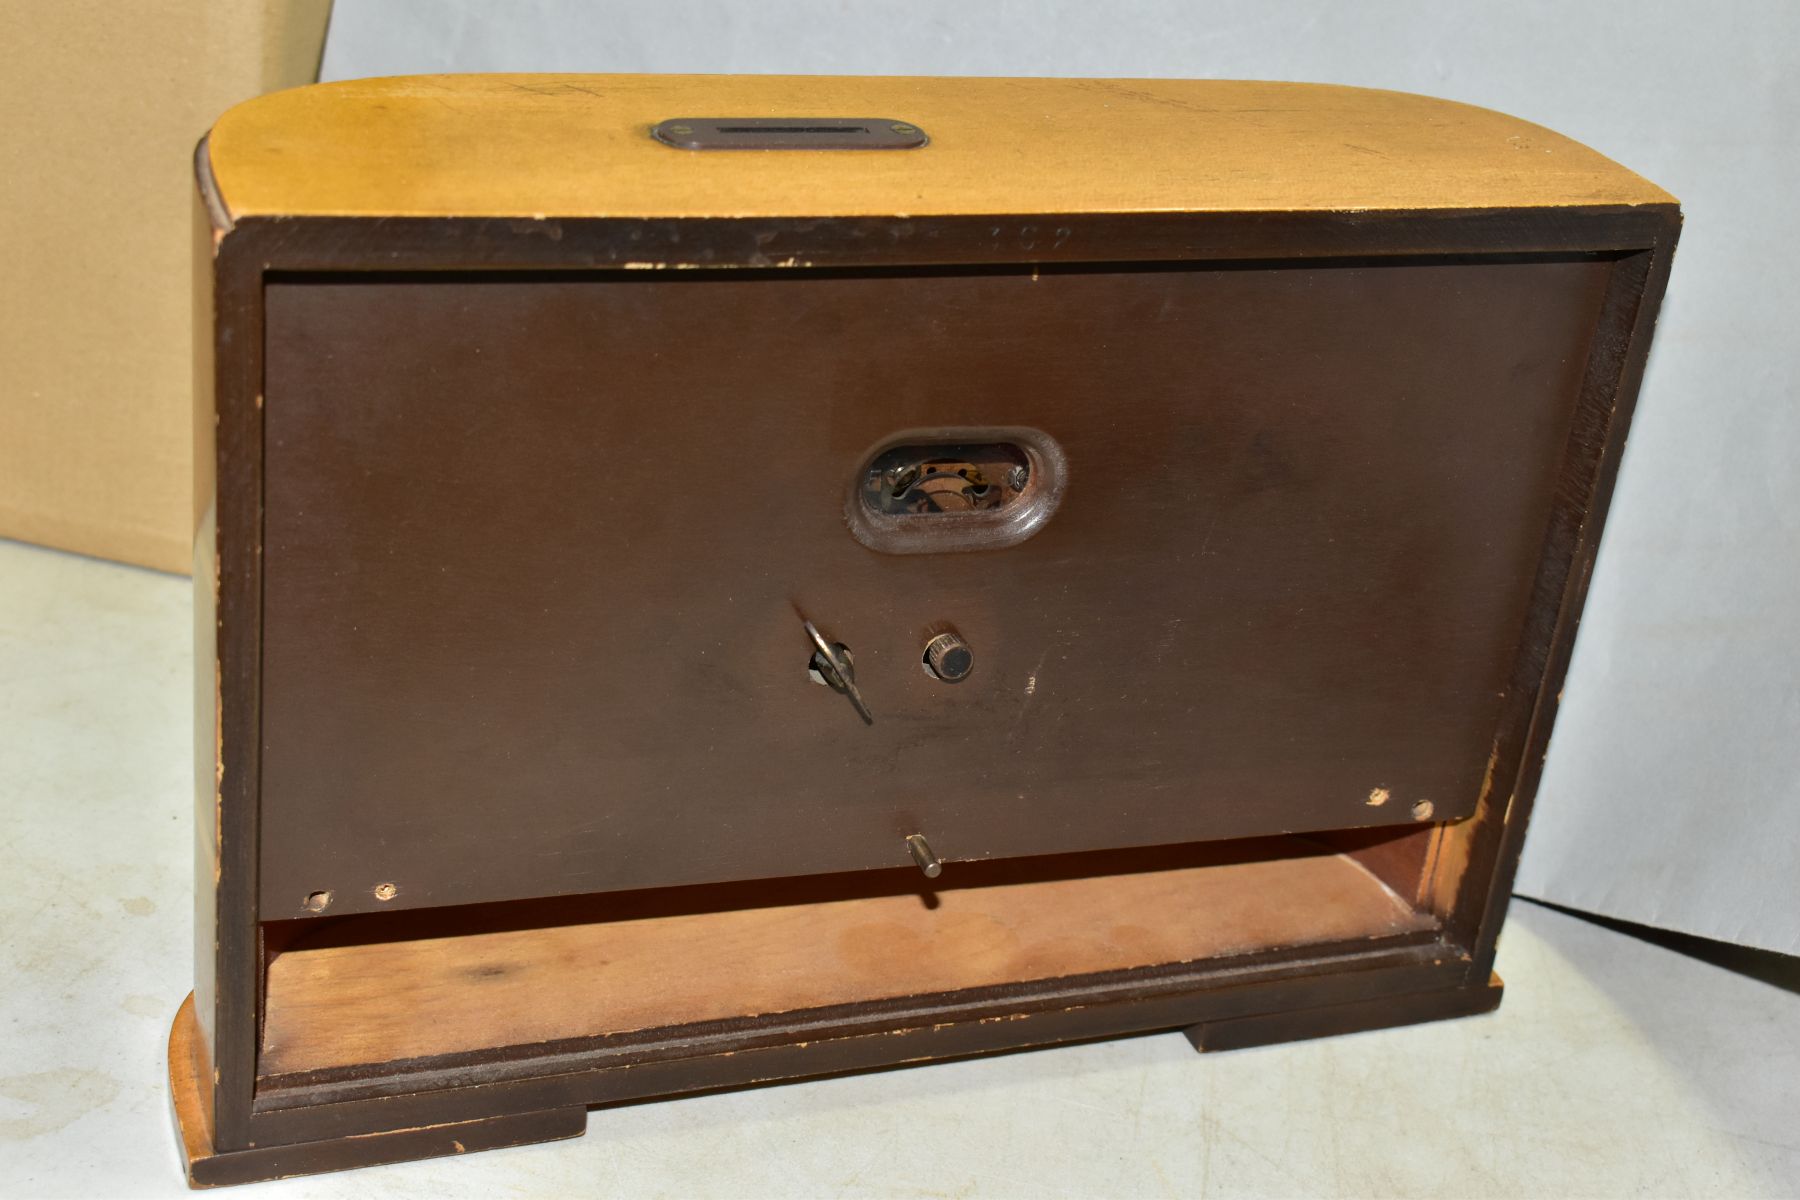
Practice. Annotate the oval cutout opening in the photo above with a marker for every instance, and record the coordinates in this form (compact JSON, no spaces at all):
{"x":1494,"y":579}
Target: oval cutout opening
{"x":939,"y":491}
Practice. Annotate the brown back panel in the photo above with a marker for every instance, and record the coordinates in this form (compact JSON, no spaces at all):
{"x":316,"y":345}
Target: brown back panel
{"x":535,"y":546}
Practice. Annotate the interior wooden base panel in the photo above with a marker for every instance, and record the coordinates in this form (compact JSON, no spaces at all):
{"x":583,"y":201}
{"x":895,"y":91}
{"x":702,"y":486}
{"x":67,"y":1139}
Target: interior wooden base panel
{"x":209,"y":1167}
{"x":367,"y":991}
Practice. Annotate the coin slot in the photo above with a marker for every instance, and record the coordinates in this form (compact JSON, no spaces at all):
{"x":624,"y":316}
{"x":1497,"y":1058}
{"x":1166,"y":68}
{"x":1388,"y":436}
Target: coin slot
{"x":775,"y":129}
{"x":788,"y":133}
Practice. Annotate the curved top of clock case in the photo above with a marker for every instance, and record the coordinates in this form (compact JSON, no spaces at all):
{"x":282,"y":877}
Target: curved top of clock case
{"x":580,"y":146}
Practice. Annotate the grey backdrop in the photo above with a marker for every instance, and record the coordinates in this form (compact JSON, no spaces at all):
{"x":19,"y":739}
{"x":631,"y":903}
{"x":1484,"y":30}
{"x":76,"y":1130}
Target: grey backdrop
{"x":1672,"y":795}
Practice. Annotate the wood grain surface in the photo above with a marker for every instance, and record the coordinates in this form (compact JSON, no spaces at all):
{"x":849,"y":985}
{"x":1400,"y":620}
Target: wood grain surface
{"x":562,"y":146}
{"x":347,"y":1001}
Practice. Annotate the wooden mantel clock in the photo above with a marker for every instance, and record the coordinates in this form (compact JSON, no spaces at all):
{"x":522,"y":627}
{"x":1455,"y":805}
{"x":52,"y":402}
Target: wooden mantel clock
{"x":714,"y":580}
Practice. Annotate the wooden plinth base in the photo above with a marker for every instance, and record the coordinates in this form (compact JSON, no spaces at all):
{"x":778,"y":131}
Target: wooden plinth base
{"x":208,"y":1167}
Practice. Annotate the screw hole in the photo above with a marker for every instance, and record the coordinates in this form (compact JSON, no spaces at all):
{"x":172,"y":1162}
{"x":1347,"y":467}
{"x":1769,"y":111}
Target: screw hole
{"x":386,"y":891}
{"x":317,"y":902}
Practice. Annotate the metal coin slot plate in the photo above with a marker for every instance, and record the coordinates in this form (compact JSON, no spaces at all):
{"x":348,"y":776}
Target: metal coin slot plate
{"x":950,"y":490}
{"x":788,"y":133}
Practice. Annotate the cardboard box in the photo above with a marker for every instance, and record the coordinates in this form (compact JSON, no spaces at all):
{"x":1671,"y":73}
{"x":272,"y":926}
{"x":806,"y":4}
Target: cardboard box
{"x":100,"y":107}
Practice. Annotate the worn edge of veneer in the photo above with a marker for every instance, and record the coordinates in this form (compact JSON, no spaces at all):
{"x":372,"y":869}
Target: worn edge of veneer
{"x":549,"y":147}
{"x":208,"y":1167}
{"x":1359,"y":1016}
{"x":227,"y":585}
{"x":1626,"y":358}
{"x":398,"y":247}
{"x":1473,"y":863}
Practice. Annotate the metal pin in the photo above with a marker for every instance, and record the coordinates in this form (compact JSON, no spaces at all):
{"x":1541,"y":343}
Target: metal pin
{"x":921,"y":854}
